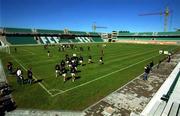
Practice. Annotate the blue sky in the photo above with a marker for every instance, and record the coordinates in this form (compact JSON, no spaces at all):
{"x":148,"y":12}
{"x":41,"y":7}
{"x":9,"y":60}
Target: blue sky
{"x":80,"y":14}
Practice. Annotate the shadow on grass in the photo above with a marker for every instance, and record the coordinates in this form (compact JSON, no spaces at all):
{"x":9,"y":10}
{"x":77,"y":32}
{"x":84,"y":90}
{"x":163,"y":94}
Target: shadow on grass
{"x":38,"y":81}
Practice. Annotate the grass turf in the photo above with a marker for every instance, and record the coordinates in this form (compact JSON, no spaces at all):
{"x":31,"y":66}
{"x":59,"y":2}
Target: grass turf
{"x":122,"y":63}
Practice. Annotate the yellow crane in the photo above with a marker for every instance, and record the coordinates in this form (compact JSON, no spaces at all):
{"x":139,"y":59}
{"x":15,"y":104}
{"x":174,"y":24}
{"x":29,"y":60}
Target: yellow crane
{"x":94,"y":27}
{"x":164,"y":13}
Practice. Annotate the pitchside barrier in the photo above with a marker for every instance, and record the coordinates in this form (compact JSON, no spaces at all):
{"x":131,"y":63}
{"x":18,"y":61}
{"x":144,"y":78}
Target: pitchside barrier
{"x":166,"y":101}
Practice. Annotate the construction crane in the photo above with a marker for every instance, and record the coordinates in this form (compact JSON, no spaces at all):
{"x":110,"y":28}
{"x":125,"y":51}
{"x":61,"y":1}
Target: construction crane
{"x":165,"y":13}
{"x":177,"y":29}
{"x":94,"y":27}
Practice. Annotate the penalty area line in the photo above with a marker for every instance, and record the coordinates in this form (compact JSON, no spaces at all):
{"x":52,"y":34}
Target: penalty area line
{"x":103,"y":76}
{"x":35,"y":78}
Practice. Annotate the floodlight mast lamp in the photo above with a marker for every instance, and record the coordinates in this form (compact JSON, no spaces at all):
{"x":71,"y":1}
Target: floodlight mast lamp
{"x":166,"y":14}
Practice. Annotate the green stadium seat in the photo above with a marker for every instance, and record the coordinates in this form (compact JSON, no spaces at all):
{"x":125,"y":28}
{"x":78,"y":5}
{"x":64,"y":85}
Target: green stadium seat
{"x":78,"y":32}
{"x":168,"y":33}
{"x":44,"y":31}
{"x":21,"y":40}
{"x":97,"y":39}
{"x":16,"y":30}
{"x":94,"y":33}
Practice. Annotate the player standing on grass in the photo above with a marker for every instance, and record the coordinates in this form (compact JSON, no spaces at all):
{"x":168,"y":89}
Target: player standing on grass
{"x":48,"y":53}
{"x":88,"y":48}
{"x":15,"y":50}
{"x":81,"y":49}
{"x":57,"y":68}
{"x":81,"y":60}
{"x":64,"y":73}
{"x":101,"y":60}
{"x":90,"y":59}
{"x":30,"y":75}
{"x":73,"y":73}
{"x":67,"y":60}
{"x":63,"y":63}
{"x":20,"y":78}
{"x":10,"y":67}
{"x":102,"y":52}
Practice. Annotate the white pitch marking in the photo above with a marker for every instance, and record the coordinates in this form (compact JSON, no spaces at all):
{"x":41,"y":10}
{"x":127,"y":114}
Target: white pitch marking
{"x":29,"y":51}
{"x":56,"y":90}
{"x":102,"y":76}
{"x":35,"y":78}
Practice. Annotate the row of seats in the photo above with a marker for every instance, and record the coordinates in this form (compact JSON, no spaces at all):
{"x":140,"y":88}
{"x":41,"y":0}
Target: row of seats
{"x":21,"y":40}
{"x":50,"y":31}
{"x":55,"y":40}
{"x":94,"y":33}
{"x":16,"y":30}
{"x":44,"y":40}
{"x":45,"y":31}
{"x":77,"y":32}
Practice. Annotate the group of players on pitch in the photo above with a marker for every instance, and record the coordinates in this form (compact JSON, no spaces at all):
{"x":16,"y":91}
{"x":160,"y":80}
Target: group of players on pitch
{"x":70,"y":64}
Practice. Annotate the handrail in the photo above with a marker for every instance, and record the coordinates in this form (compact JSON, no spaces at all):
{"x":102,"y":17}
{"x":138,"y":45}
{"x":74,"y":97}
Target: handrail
{"x":166,"y":96}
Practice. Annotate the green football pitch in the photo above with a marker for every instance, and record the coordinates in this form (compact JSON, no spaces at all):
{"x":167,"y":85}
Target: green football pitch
{"x":122,"y":63}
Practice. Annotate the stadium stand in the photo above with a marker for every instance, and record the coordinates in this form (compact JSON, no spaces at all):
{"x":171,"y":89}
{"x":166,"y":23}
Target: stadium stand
{"x":20,"y":40}
{"x":46,"y":36}
{"x":145,"y":36}
{"x":77,"y":32}
{"x":18,"y":30}
{"x":97,"y":39}
{"x":146,"y":33}
{"x":126,"y":34}
{"x":45,"y":31}
{"x":169,"y":33}
{"x":94,"y":33}
{"x":44,"y":39}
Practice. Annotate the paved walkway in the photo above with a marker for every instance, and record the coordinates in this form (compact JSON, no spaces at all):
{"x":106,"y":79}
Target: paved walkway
{"x":135,"y":95}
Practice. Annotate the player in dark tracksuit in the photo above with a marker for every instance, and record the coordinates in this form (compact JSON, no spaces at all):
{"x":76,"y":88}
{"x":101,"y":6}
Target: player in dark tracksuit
{"x":30,"y":76}
{"x":63,"y":63}
{"x":89,"y":59}
{"x":67,"y":59}
{"x":48,"y":52}
{"x":57,"y":68}
{"x":73,"y":73}
{"x":101,"y":60}
{"x":10,"y":67}
{"x":64,"y":73}
{"x":74,"y":65}
{"x":81,"y":60}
